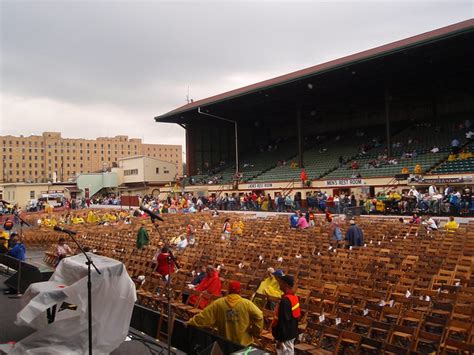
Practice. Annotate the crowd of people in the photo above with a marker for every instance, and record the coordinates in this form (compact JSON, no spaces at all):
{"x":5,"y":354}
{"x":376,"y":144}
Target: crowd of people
{"x":432,"y":200}
{"x":452,"y":201}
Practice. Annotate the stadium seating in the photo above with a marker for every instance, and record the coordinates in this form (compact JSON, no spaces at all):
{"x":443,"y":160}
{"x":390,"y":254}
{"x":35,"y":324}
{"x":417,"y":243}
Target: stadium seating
{"x":319,"y":162}
{"x":423,"y":138}
{"x":252,"y":164}
{"x":263,"y":167}
{"x":457,"y":166}
{"x":454,"y":167}
{"x":426,"y":161}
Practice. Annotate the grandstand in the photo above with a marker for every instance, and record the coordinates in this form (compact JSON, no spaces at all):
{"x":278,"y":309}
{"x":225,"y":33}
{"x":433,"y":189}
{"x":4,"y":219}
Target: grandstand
{"x":416,"y":88}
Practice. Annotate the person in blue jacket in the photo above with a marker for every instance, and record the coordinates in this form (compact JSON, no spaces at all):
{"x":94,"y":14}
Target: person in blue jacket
{"x":17,"y":250}
{"x":294,"y":220}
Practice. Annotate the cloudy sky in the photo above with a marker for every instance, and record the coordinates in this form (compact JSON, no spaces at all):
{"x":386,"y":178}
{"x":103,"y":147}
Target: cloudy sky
{"x":96,"y":68}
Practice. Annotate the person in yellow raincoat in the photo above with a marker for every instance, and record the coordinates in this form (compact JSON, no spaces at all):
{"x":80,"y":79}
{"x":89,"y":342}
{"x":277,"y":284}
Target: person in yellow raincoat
{"x":53,"y":222}
{"x":268,"y":287}
{"x":451,"y":226}
{"x":47,"y":222}
{"x":238,"y":228}
{"x":264,"y":203}
{"x":380,"y":206}
{"x":92,"y":218}
{"x":4,"y":238}
{"x":109,"y":217}
{"x":77,"y":220}
{"x":418,"y":170}
{"x":236,"y":319}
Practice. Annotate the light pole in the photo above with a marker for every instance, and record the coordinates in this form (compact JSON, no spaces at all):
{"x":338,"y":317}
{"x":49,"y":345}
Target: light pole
{"x":235,"y":133}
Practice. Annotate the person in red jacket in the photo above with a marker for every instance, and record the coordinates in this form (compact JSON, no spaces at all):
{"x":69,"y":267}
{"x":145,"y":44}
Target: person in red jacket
{"x":210,"y":284}
{"x":163,"y":267}
{"x":303,"y":177}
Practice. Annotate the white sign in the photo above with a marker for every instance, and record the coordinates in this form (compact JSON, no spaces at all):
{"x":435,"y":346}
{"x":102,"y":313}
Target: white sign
{"x":344,"y":182}
{"x":260,"y":186}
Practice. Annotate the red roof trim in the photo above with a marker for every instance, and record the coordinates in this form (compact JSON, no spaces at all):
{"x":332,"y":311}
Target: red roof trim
{"x":464,"y":25}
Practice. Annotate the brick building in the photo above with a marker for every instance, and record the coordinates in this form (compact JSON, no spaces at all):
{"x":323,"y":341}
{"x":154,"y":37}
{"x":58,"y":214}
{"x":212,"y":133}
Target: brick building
{"x":49,"y":156}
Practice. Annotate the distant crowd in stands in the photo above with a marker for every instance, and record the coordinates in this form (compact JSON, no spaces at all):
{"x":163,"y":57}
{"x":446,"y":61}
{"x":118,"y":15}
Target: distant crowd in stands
{"x":450,"y":201}
{"x":447,"y":201}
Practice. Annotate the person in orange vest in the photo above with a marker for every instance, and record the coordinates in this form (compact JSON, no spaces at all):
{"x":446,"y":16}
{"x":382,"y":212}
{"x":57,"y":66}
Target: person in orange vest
{"x":287,"y":315}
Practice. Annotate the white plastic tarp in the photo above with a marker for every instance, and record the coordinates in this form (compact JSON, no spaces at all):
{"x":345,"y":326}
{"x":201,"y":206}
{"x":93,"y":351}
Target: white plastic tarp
{"x":113,"y":298}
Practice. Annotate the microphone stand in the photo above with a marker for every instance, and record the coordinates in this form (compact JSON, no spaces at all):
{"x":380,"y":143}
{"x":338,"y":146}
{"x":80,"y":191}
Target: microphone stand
{"x":89,"y":263}
{"x":171,"y":260}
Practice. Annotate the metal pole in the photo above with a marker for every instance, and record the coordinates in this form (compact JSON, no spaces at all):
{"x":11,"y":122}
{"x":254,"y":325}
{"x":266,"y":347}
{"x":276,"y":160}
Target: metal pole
{"x":387,"y":121}
{"x":236,"y":150}
{"x":89,"y":303}
{"x":300,"y":141}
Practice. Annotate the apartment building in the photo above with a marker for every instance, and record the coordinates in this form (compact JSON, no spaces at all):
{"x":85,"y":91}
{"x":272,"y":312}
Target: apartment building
{"x":50,"y":157}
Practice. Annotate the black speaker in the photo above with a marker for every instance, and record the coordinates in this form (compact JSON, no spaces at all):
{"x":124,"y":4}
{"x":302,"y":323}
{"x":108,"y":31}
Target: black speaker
{"x":27,"y":273}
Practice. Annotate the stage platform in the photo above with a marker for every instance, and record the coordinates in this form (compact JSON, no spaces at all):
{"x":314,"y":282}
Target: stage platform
{"x":137,"y":343}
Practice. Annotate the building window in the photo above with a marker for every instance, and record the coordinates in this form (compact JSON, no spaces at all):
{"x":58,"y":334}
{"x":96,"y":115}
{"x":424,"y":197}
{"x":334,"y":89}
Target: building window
{"x":157,"y":170}
{"x":166,"y":171}
{"x":32,"y":194}
{"x":129,"y":172}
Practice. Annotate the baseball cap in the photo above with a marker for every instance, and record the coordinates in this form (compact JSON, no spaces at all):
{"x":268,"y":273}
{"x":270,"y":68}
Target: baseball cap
{"x":278,"y":273}
{"x":234,"y":287}
{"x":288,"y":279}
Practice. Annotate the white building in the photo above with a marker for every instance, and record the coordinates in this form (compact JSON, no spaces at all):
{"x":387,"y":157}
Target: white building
{"x":139,"y":169}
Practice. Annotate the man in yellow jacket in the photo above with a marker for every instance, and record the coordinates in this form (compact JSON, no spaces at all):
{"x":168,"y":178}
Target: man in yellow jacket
{"x":236,"y":319}
{"x":451,"y":226}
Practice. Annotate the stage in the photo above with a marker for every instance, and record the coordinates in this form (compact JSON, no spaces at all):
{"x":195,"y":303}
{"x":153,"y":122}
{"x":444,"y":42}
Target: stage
{"x":136,"y":343}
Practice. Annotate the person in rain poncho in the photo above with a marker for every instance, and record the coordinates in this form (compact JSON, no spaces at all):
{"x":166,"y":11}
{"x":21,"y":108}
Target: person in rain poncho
{"x":236,"y":319}
{"x":268,"y":287}
{"x":354,"y":235}
{"x":211,"y":284}
{"x":142,"y":237}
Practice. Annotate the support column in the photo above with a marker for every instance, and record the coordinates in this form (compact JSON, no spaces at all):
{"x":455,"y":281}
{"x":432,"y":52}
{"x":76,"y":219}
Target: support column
{"x":387,"y":121}
{"x":190,"y":161}
{"x":300,"y":139}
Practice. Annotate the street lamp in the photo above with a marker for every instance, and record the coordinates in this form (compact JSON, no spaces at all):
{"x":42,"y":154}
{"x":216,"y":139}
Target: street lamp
{"x":235,"y":133}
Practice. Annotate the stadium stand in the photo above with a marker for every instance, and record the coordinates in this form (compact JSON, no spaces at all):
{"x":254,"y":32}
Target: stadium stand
{"x":321,"y":157}
{"x":460,"y":165}
{"x":252,"y":164}
{"x":419,"y":138}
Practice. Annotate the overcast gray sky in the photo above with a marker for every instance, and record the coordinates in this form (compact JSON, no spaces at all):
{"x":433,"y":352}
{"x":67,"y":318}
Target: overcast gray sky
{"x":96,"y":68}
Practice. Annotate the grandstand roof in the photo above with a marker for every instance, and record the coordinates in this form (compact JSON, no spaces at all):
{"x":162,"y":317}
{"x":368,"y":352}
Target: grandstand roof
{"x":177,"y":115}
